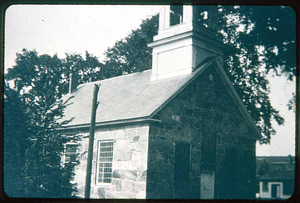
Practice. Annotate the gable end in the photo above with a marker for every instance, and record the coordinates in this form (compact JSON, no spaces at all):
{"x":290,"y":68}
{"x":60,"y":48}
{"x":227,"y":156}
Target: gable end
{"x":216,"y":64}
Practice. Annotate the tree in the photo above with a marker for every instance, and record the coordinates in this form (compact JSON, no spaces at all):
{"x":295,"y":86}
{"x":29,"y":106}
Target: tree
{"x":46,"y":176}
{"x":88,"y":69}
{"x":16,"y":131}
{"x":33,"y":71}
{"x":132,"y":54}
{"x":258,"y":44}
{"x":40,"y":81}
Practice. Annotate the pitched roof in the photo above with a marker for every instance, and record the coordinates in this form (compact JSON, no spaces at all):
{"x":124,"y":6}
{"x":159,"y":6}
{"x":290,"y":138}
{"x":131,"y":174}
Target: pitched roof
{"x":124,"y":97}
{"x":275,"y":167}
{"x":136,"y":97}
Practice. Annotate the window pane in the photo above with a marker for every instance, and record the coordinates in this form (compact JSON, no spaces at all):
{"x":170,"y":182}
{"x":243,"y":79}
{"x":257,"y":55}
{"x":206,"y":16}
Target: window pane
{"x":176,"y":12}
{"x":72,"y":157}
{"x":108,"y":165}
{"x":106,"y":154}
{"x":107,"y":175}
{"x":67,"y":159}
{"x":106,"y":159}
{"x":107,"y":180}
{"x":71,"y":149}
{"x":107,"y":169}
{"x":265,"y":186}
{"x":106,"y":144}
{"x":105,"y":162}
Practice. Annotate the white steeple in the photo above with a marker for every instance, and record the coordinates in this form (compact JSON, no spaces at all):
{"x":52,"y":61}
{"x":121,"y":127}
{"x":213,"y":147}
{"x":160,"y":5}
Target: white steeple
{"x":182,"y":43}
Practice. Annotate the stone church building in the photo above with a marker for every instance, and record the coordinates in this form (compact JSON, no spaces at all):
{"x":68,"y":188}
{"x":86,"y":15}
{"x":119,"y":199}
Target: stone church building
{"x":177,"y":131}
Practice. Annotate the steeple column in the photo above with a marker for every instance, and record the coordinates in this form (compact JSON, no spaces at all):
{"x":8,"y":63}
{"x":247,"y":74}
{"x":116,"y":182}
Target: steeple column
{"x":182,"y":44}
{"x":164,"y":18}
{"x":189,"y":13}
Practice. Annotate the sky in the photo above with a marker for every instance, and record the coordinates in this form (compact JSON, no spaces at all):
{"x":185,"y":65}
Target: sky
{"x":60,"y":29}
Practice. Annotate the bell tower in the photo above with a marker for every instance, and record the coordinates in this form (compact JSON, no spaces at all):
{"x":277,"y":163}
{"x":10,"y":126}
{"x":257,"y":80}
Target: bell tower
{"x":187,"y":35}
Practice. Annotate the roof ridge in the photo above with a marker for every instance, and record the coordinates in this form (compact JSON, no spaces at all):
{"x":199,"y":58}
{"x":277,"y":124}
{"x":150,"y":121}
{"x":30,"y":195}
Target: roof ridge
{"x":116,"y":77}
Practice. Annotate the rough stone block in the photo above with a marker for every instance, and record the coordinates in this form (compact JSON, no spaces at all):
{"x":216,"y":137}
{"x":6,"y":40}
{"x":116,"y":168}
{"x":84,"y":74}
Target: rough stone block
{"x":117,"y":184}
{"x":127,"y":185}
{"x":141,"y":194}
{"x":143,"y":176}
{"x":130,"y":174}
{"x":121,"y":151}
{"x":187,"y":131}
{"x":153,"y":131}
{"x":160,"y":146}
{"x":166,"y":178}
{"x":117,"y":164}
{"x":119,"y":174}
{"x":143,"y":132}
{"x":135,"y":156}
{"x":125,"y":174}
{"x":196,"y":166}
{"x":195,"y":156}
{"x":136,"y":138}
{"x":119,"y":134}
{"x":127,"y":165}
{"x":138,"y":186}
{"x":130,"y":133}
{"x":101,"y":192}
{"x":143,"y":156}
{"x":141,"y":165}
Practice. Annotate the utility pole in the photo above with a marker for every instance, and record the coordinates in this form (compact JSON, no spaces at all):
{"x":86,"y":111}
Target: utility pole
{"x":91,"y":143}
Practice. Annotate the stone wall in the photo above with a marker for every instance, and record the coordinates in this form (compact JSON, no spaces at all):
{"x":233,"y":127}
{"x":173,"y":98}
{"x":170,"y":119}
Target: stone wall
{"x":202,"y":111}
{"x":129,"y":163}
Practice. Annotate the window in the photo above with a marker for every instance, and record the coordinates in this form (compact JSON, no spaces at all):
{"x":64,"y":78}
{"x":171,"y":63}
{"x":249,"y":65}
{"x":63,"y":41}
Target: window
{"x":70,"y":157}
{"x":275,"y":190}
{"x":265,"y":186}
{"x":70,"y":153}
{"x":105,"y":159}
{"x":176,"y":12}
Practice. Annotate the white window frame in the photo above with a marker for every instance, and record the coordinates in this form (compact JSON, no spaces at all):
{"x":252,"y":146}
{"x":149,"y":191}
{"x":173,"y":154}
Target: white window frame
{"x":69,"y":153}
{"x":104,"y":162}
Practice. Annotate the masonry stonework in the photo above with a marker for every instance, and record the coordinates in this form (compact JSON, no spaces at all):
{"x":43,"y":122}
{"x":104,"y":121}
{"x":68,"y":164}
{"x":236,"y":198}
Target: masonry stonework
{"x":129,"y":163}
{"x":205,"y":116}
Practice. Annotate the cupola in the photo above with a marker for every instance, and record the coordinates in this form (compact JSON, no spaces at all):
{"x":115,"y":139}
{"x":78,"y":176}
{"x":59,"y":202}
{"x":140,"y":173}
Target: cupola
{"x":187,"y":35}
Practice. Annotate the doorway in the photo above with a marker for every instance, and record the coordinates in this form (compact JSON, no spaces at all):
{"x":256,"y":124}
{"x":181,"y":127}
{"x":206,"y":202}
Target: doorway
{"x":207,"y":185}
{"x":275,"y":190}
{"x":182,"y":170}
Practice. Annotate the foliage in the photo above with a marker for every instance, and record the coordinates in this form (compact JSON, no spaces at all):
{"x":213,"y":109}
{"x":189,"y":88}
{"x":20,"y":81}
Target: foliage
{"x":132,"y":54}
{"x":292,"y":103}
{"x":40,"y":81}
{"x":46,"y":176}
{"x":257,"y":43}
{"x":88,"y":69}
{"x":16,"y":130}
{"x":33,"y":149}
{"x":32,"y":72}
